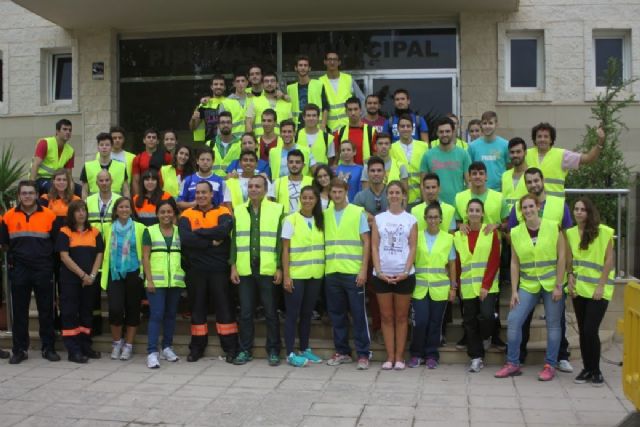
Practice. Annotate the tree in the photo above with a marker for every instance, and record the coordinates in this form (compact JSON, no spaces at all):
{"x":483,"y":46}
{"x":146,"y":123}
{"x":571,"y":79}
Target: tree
{"x":11,"y":170}
{"x":610,"y":170}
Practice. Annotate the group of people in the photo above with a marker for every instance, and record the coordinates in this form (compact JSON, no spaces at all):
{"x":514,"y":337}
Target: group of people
{"x":298,"y":196}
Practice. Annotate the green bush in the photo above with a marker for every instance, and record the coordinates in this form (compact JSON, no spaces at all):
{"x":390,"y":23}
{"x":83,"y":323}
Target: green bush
{"x":11,"y":171}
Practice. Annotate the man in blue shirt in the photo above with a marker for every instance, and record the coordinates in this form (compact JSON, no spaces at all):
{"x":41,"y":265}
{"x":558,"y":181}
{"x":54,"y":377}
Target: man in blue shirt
{"x":491,"y":150}
{"x":402,"y":101}
{"x":204,"y":162}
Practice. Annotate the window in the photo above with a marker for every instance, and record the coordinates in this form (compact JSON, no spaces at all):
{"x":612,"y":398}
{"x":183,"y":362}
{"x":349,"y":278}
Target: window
{"x":608,"y":45}
{"x":61,"y":77}
{"x":524,"y":61}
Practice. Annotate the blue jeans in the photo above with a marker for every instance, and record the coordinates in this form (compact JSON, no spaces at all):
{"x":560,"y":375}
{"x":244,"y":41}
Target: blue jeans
{"x":343,"y":296}
{"x":163,"y":305}
{"x":553,"y":311}
{"x":427,"y":327}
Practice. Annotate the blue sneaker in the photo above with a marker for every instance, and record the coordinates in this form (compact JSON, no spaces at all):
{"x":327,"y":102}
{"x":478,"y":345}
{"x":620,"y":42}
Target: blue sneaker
{"x":308,"y":354}
{"x":297,"y":361}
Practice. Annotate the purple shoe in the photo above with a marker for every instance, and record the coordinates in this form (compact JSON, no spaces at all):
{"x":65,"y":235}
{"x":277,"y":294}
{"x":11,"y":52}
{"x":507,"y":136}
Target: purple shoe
{"x":414,"y":362}
{"x":432,"y":363}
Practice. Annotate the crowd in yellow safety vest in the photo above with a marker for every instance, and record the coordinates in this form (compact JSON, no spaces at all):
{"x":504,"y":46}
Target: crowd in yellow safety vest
{"x":314,"y":201}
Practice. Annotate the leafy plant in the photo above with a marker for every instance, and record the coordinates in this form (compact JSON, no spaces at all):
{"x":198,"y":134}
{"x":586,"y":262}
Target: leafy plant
{"x":11,"y":171}
{"x":610,"y":170}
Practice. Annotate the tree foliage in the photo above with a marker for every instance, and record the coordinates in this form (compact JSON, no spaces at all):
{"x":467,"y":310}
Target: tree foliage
{"x":610,"y":170}
{"x":11,"y":171}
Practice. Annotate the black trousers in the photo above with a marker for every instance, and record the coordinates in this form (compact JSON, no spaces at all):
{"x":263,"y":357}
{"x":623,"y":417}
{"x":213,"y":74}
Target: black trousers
{"x":124,"y":298}
{"x":589,"y":314}
{"x":247,"y":292}
{"x":478,"y":321}
{"x":205,"y":287}
{"x":76,"y":305}
{"x":24,"y":280}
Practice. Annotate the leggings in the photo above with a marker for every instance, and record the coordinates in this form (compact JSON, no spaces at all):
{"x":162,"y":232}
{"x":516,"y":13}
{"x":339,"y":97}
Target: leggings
{"x":300,"y":303}
{"x":124,"y":296}
{"x":589,"y":314}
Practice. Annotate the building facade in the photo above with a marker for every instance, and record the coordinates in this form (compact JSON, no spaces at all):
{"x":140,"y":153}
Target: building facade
{"x":140,"y":65}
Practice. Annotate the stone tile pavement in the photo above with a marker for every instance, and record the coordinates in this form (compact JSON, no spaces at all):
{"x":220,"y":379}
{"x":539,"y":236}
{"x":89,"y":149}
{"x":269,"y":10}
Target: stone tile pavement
{"x":213,"y":393}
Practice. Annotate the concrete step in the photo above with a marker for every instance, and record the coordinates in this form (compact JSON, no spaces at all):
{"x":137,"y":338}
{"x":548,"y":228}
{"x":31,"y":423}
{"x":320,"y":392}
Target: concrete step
{"x":324,"y":348}
{"x":320,"y":329}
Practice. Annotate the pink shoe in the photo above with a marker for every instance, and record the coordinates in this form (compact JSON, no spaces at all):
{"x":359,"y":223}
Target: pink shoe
{"x":508,"y":370}
{"x":387,"y":366}
{"x":547,"y":373}
{"x":399,"y":366}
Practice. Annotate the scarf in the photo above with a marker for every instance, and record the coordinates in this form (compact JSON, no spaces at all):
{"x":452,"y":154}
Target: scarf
{"x":124,"y":257}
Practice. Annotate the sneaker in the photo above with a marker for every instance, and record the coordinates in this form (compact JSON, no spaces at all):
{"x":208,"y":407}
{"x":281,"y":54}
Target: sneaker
{"x":486,"y":344}
{"x":169,"y":355}
{"x":274,"y":359}
{"x":311,"y":356}
{"x":297,"y":361}
{"x":50,"y":355}
{"x":387,"y":366}
{"x":476,"y":365}
{"x":547,"y":373}
{"x":363,"y":363}
{"x":127,"y":352}
{"x":18,"y":357}
{"x":583,"y":377}
{"x":78,"y":358}
{"x":399,"y":366}
{"x":443,"y":341}
{"x":339,"y":359}
{"x":508,"y":370}
{"x":230,"y":357}
{"x":116,"y":349}
{"x":597,"y":380}
{"x":497,"y":343}
{"x":415,"y":361}
{"x":432,"y":363}
{"x":152,"y":360}
{"x":565,"y":366}
{"x":462,"y":344}
{"x":242,"y":358}
{"x":194,"y":356}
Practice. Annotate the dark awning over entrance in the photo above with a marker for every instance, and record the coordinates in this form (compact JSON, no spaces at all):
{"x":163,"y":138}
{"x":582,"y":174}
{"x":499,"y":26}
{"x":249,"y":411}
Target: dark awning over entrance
{"x":169,"y":15}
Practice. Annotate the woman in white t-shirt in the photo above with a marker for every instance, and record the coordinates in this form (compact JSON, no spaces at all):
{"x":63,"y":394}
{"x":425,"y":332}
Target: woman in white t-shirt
{"x":393,"y":247}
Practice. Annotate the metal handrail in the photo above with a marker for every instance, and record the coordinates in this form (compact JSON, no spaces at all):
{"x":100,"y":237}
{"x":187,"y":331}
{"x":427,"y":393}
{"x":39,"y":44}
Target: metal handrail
{"x":623,"y":255}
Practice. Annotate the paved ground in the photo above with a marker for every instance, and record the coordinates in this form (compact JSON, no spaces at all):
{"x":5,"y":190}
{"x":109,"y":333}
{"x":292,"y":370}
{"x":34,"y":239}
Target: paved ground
{"x":213,"y":393}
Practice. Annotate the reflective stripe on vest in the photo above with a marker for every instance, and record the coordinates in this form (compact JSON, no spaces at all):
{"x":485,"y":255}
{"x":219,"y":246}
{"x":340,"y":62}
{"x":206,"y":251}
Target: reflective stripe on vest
{"x":166,"y":267}
{"x":319,"y":147}
{"x":551,"y":167}
{"x":553,"y":209}
{"x":431,"y":274}
{"x":228,"y":104}
{"x":170,"y":182}
{"x":270,"y":214}
{"x":588,"y":264}
{"x":93,"y":211}
{"x":413,"y":164}
{"x":537,"y":262}
{"x":275,"y":160}
{"x":51,"y":162}
{"x":220,"y":162}
{"x":367,"y":138}
{"x":314,"y":96}
{"x":448,"y":212}
{"x":343,"y":247}
{"x":306,"y":250}
{"x":106,"y":235}
{"x":492,"y":206}
{"x":473,"y":265}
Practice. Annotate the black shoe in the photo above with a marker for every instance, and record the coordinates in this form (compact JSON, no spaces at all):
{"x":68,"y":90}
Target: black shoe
{"x":4,"y":354}
{"x":78,"y":358}
{"x":92,"y":354}
{"x":194,"y":357}
{"x":497,"y":342}
{"x":50,"y":355}
{"x":583,"y":377}
{"x":597,"y":380}
{"x":462,"y":344}
{"x":229,"y":357}
{"x":18,"y":357}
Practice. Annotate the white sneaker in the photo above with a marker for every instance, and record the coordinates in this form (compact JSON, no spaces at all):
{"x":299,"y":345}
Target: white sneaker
{"x":116,"y":349}
{"x":127,"y":350}
{"x":169,"y":355}
{"x":476,"y":365}
{"x":565,"y":366}
{"x":152,"y":360}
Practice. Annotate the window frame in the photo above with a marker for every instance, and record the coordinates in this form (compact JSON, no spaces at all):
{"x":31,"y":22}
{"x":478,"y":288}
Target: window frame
{"x":538,"y":36}
{"x":53,"y":70}
{"x":602,"y":34}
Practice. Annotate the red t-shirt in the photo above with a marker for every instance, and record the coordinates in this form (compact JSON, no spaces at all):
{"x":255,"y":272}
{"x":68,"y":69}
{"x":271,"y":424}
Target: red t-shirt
{"x":355,"y":135}
{"x":141,"y":162}
{"x":41,"y":152}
